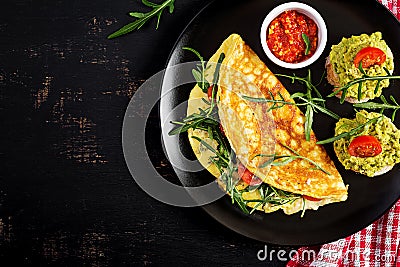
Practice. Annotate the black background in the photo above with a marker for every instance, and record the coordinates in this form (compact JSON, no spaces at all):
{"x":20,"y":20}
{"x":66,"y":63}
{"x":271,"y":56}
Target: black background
{"x":66,"y":196}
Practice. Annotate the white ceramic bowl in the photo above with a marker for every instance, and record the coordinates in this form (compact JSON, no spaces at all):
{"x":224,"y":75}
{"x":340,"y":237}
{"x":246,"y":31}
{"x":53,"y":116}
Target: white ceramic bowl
{"x":309,"y":12}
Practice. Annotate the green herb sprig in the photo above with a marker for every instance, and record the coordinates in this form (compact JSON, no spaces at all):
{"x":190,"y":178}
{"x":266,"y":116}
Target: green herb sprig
{"x":307,"y":81}
{"x":207,"y":119}
{"x":202,"y":120}
{"x":365,"y":77}
{"x":142,"y":18}
{"x":200,"y":72}
{"x":352,"y":132}
{"x":224,"y":163}
{"x":381,"y":106}
{"x":273,"y":196}
{"x":268,"y":194}
{"x":307,"y":42}
{"x":313,"y":104}
{"x":215,"y":79}
{"x":280,"y":160}
{"x":276,"y":103}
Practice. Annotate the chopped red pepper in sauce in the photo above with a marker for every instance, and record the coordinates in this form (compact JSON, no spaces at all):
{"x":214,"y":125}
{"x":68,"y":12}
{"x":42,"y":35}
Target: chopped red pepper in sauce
{"x":284,"y":36}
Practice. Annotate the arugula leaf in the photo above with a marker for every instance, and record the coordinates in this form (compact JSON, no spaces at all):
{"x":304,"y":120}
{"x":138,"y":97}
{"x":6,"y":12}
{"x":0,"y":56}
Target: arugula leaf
{"x":281,"y":160}
{"x":382,"y":106}
{"x":349,"y":133}
{"x":343,"y":89}
{"x":142,"y":18}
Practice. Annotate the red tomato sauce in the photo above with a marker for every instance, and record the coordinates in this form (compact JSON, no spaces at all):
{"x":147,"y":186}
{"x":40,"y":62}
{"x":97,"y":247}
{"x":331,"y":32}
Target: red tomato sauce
{"x":284,"y":36}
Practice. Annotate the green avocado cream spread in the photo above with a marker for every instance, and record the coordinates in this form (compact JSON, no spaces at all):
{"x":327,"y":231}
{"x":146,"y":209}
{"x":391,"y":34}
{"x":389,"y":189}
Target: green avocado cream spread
{"x":383,"y":130}
{"x":342,"y":59}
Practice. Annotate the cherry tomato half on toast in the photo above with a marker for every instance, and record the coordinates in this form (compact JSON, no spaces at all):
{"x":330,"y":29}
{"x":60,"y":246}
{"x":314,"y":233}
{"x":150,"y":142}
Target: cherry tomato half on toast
{"x":365,"y":146}
{"x":369,"y":56}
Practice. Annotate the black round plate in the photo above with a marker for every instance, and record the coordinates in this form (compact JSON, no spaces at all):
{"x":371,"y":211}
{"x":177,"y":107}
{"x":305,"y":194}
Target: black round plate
{"x":369,"y":198}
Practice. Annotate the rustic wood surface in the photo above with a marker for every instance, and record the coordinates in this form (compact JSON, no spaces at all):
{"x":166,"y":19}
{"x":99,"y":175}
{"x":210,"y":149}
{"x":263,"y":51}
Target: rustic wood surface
{"x":66,"y":196}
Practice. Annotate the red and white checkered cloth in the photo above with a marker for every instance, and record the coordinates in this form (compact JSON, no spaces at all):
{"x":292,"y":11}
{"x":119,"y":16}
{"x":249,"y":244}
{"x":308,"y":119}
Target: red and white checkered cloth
{"x":376,"y":245}
{"x":392,"y":5}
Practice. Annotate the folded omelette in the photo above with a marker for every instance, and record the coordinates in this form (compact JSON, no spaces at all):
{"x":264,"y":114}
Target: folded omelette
{"x":254,"y":129}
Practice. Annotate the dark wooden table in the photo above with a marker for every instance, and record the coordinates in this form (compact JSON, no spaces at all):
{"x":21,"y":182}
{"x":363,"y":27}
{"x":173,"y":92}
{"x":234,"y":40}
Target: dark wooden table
{"x":66,"y":195}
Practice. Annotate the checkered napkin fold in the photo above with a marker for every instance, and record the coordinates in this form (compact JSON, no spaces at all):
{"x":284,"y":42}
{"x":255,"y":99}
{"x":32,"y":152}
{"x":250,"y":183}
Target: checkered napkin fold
{"x":376,"y":245}
{"x":392,"y":5}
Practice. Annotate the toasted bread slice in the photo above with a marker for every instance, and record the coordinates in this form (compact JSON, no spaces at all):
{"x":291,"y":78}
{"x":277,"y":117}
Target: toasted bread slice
{"x":333,"y":79}
{"x":346,"y":59}
{"x":384,"y":130}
